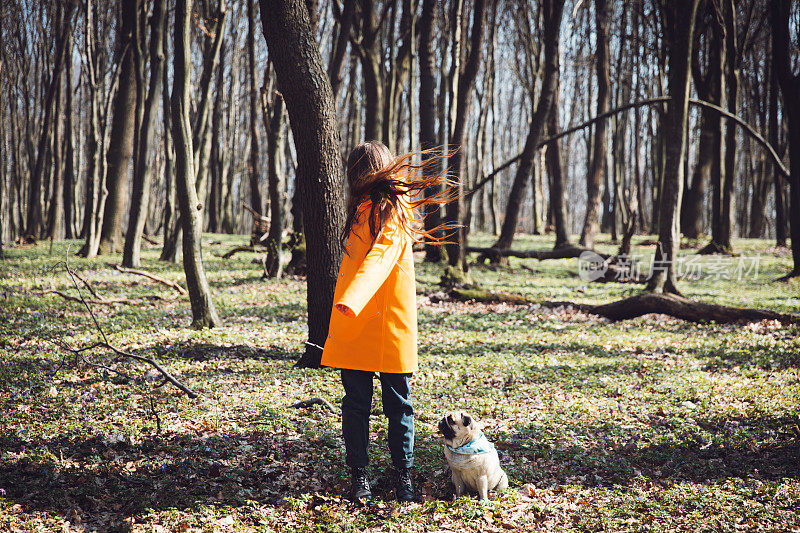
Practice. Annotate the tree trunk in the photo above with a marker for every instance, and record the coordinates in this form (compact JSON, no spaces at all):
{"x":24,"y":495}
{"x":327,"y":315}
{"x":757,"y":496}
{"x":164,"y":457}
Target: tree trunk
{"x":120,"y":147}
{"x":273,"y":117}
{"x":96,"y":191}
{"x":203,"y":312}
{"x":458,"y":167}
{"x":558,"y":200}
{"x":255,"y":133}
{"x":773,"y":125}
{"x":790,"y":91}
{"x":594,"y":179}
{"x":312,"y":114}
{"x":69,"y":156}
{"x":723,"y":239}
{"x":553,"y":10}
{"x":679,"y":30}
{"x":143,"y":169}
{"x":33,"y":221}
{"x":172,"y":224}
{"x":427,"y":115}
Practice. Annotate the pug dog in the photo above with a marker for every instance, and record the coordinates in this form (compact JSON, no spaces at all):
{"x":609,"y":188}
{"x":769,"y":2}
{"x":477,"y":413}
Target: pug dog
{"x":472,"y":458}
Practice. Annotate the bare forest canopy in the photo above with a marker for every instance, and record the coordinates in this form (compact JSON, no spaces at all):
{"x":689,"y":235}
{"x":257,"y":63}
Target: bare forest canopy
{"x":158,"y":120}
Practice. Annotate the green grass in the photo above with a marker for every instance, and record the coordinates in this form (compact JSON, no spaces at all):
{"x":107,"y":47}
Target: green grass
{"x":647,"y":425}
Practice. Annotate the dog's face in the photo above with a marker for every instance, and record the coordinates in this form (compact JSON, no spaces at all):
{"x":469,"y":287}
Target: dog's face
{"x":458,"y":428}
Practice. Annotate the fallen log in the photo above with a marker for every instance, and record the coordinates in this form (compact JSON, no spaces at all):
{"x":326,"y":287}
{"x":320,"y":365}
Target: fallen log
{"x":234,"y":251}
{"x":642,"y":304}
{"x":563,"y":252}
{"x":97,"y":301}
{"x":174,"y":284}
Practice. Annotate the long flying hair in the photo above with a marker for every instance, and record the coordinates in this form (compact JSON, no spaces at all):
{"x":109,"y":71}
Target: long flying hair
{"x":374,"y":174}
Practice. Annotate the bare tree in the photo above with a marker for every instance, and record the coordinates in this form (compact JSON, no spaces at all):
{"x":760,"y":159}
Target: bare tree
{"x":594,"y":179}
{"x":204,"y":313}
{"x":790,"y":92}
{"x":679,"y":16}
{"x":120,"y":147}
{"x":312,"y":114}
{"x":142,"y":170}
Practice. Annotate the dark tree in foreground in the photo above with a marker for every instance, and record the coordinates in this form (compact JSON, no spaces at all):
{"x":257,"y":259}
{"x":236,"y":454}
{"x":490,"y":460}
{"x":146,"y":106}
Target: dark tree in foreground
{"x":790,"y":91}
{"x":312,"y":114}
{"x":203,"y":312}
{"x":679,"y":18}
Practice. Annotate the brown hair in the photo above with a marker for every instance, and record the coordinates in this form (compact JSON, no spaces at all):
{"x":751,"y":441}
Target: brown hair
{"x":374,"y":174}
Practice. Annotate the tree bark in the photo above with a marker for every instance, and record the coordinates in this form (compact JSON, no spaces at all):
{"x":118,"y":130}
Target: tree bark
{"x":33,"y":220}
{"x":70,"y":182}
{"x":273,"y":117}
{"x":558,"y":199}
{"x":597,"y":168}
{"x":255,"y":133}
{"x":120,"y":146}
{"x":553,"y":10}
{"x":458,"y":167}
{"x":143,"y":168}
{"x":772,"y":126}
{"x":709,"y":88}
{"x":790,"y":92}
{"x":427,"y":115}
{"x":203,"y":312}
{"x":312,"y":114}
{"x":679,"y":30}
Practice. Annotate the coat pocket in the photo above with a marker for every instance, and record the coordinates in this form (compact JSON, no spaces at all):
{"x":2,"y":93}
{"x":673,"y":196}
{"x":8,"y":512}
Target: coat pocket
{"x":345,"y":328}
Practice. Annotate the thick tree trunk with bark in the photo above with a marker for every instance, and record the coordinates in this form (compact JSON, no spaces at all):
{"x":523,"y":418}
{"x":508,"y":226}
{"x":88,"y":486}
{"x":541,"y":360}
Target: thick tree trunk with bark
{"x":427,"y":114}
{"x":140,"y":200}
{"x":594,"y":179}
{"x":312,"y":114}
{"x":203,"y":312}
{"x":120,"y":146}
{"x":553,"y":10}
{"x":679,"y":23}
{"x":773,"y":125}
{"x":790,"y":92}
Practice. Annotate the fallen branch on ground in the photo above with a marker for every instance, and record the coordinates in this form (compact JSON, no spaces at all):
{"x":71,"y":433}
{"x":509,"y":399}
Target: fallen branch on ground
{"x":234,"y":251}
{"x":174,"y":284}
{"x":314,"y":401}
{"x":105,"y":343}
{"x":563,"y":252}
{"x":96,"y":301}
{"x":642,"y":304}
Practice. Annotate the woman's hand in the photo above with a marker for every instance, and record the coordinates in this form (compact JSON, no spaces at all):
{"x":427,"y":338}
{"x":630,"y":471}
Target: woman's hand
{"x":345,"y":310}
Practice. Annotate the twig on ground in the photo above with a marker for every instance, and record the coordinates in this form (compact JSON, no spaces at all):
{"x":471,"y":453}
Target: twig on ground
{"x":105,"y":343}
{"x":97,"y":301}
{"x":175,"y":285}
{"x":315,"y":401}
{"x":155,"y":415}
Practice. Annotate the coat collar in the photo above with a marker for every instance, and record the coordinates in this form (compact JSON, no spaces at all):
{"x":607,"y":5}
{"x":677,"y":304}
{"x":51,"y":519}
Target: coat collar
{"x":479,"y":445}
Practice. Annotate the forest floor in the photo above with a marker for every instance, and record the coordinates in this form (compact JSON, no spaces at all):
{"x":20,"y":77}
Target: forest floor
{"x":651,"y":424}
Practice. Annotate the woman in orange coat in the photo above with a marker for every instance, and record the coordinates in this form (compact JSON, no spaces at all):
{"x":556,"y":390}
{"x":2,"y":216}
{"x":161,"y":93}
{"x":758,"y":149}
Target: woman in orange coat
{"x":373,"y":325}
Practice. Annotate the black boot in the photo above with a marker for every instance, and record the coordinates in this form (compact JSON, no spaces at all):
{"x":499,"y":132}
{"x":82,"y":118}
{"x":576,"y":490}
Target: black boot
{"x":359,"y":485}
{"x":404,"y":490}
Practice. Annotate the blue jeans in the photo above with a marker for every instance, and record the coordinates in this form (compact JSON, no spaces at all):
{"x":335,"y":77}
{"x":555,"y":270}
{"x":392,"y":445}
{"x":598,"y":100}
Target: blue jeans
{"x":397,"y":407}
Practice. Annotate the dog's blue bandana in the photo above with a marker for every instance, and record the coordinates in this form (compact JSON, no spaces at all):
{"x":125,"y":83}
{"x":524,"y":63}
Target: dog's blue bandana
{"x":477,"y":446}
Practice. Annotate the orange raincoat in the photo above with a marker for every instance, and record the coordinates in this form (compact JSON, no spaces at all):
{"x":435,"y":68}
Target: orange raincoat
{"x":379,"y":286}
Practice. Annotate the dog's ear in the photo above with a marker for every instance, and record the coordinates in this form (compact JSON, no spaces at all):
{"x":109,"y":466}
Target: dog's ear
{"x":467,"y":421}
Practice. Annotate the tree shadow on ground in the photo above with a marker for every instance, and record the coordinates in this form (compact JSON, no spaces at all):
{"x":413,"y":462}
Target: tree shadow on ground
{"x":765,"y":448}
{"x":206,"y":351}
{"x":92,"y":476}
